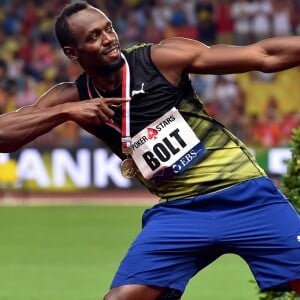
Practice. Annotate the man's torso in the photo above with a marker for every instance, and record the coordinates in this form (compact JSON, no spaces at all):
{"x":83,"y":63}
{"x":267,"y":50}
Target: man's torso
{"x":226,"y":161}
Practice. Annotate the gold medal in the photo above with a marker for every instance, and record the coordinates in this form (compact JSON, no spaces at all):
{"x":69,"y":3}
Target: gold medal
{"x":128,"y":168}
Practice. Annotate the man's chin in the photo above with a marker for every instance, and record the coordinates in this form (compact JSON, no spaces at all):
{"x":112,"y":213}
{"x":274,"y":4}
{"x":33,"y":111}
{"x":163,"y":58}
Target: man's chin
{"x":111,"y":67}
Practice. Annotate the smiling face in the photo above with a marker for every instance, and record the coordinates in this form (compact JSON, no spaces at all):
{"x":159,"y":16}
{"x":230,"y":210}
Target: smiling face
{"x":96,"y":44}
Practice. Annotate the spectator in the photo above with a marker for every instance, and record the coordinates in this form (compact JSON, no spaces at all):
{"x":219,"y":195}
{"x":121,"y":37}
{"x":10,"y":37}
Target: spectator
{"x":295,"y":17}
{"x":255,"y":130}
{"x":282,"y":18}
{"x":131,"y":34}
{"x":241,"y":14}
{"x":289,"y":121}
{"x":27,"y":94}
{"x":178,"y":25}
{"x":262,"y":12}
{"x":238,"y":121}
{"x":226,"y":91}
{"x":224,"y":22}
{"x":205,"y":11}
{"x":31,"y":17}
{"x":189,"y":7}
{"x":269,"y":132}
{"x":42,"y":56}
{"x":161,"y":15}
{"x":152,"y":33}
{"x":3,"y":85}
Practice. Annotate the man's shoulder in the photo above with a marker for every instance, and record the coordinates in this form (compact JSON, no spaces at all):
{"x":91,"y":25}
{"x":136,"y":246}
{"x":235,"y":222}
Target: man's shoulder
{"x":81,"y":80}
{"x":138,"y":54}
{"x":81,"y":76}
{"x":136,"y":47}
{"x":82,"y":85}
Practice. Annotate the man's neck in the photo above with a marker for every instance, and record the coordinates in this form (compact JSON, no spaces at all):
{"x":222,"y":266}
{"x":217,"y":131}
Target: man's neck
{"x":107,"y":83}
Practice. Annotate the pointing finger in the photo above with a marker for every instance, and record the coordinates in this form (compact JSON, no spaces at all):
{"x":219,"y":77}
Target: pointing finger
{"x":117,"y":101}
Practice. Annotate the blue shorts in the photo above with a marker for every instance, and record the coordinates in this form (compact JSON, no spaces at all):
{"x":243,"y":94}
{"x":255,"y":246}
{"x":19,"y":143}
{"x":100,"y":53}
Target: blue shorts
{"x":179,"y":238}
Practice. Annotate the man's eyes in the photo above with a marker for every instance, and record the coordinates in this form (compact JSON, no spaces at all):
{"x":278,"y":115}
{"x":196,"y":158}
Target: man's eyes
{"x":95,"y":35}
{"x":109,"y":29}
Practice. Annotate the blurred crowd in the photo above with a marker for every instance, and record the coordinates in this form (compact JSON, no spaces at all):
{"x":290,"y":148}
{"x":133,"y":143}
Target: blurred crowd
{"x":31,"y":60}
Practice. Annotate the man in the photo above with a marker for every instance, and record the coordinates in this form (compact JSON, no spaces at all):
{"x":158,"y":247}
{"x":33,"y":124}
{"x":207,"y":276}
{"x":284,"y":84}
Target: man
{"x":215,"y":199}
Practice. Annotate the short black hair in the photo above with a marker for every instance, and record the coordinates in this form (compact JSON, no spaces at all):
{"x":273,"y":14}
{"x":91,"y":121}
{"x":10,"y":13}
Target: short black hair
{"x":61,"y":26}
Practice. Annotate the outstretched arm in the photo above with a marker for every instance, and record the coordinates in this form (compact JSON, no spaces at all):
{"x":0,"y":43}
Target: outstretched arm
{"x":59,"y":105}
{"x":20,"y":127}
{"x":178,"y":55}
{"x":24,"y":125}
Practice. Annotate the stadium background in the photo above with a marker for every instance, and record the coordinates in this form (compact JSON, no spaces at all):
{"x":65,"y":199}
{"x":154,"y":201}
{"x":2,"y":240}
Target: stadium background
{"x":259,"y":108}
{"x":67,"y":165}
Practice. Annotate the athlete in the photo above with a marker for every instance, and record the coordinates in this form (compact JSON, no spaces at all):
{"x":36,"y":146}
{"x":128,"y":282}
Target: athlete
{"x":214,"y":197}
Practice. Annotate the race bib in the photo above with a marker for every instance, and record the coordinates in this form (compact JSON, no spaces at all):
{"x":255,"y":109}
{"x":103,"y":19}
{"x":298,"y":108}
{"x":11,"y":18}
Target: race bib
{"x":166,"y":147}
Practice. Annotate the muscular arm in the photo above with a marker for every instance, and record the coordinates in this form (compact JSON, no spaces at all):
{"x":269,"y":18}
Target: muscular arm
{"x":19,"y":128}
{"x":22,"y":126}
{"x":60,"y":104}
{"x":177,"y":55}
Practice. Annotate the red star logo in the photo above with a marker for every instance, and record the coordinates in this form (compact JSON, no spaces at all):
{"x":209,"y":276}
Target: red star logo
{"x":152,"y":133}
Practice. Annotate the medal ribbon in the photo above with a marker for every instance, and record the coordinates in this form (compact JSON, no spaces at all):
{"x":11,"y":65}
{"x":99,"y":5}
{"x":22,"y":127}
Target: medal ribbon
{"x":126,"y":138}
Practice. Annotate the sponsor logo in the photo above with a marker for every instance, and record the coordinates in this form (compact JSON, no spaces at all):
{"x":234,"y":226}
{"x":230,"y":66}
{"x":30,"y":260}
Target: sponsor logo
{"x":140,"y":91}
{"x":139,"y":142}
{"x":151,"y":133}
{"x":184,"y":161}
{"x":165,"y":123}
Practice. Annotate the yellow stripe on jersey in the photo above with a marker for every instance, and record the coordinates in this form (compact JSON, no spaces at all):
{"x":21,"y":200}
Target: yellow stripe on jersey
{"x":226,"y":162}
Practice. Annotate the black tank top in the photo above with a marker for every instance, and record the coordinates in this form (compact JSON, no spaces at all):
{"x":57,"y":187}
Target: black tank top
{"x":160,"y":96}
{"x":227,"y":160}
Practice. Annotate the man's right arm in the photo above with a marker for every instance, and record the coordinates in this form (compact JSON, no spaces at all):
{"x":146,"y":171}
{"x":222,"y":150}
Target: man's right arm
{"x":57,"y":106}
{"x":24,"y":125}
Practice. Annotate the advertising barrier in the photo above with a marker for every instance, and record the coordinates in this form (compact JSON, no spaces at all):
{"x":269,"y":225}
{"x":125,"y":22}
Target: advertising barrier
{"x":61,"y":169}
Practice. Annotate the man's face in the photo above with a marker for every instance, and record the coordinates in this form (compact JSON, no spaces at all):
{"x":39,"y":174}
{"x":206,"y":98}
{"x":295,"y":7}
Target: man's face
{"x":97,"y":45}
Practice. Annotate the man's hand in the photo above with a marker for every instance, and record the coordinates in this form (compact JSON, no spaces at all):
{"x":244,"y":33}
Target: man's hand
{"x":96,"y":111}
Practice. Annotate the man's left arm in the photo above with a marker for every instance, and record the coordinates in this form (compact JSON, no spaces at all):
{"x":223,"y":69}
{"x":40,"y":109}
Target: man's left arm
{"x":178,"y":55}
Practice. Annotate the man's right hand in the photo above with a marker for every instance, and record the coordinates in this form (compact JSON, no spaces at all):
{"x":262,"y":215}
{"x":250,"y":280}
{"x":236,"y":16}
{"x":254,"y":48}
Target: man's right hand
{"x":96,"y":111}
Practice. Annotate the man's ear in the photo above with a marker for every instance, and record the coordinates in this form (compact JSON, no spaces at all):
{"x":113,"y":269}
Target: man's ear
{"x":70,"y":52}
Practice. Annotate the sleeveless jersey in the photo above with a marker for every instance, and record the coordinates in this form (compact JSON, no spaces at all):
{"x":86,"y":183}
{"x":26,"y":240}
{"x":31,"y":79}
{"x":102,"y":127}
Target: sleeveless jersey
{"x":226,"y":162}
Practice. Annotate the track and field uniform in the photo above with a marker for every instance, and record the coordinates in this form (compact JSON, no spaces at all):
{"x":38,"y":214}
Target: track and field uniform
{"x":222,"y":203}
